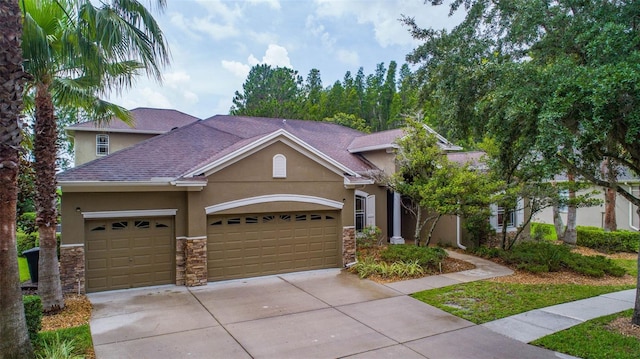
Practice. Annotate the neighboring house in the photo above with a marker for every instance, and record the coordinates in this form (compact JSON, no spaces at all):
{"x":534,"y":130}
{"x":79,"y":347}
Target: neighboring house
{"x":626,"y":213}
{"x":228,"y":197}
{"x":92,"y":140}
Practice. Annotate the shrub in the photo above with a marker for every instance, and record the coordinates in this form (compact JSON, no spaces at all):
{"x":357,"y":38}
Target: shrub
{"x":369,"y":266}
{"x":27,"y":222}
{"x":369,"y":237}
{"x":540,"y":257}
{"x":426,"y":257}
{"x":33,"y":313}
{"x":59,"y":349}
{"x":608,"y":242}
{"x":543,"y":231}
{"x":26,"y":241}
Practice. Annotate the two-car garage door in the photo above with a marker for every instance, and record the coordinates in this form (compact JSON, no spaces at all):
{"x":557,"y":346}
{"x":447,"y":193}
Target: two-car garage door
{"x":128,"y":252}
{"x":241,"y":246}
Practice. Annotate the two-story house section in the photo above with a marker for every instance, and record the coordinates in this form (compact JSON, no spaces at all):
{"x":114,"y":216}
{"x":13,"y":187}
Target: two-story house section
{"x":92,"y":140}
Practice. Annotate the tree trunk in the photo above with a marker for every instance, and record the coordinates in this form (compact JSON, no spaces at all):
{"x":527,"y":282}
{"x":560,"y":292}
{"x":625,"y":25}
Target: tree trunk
{"x":14,"y":339}
{"x":635,"y":319}
{"x":433,"y":227}
{"x":610,"y":223}
{"x":570,"y":234}
{"x":45,"y":150}
{"x":418,"y":228}
{"x":557,"y":223}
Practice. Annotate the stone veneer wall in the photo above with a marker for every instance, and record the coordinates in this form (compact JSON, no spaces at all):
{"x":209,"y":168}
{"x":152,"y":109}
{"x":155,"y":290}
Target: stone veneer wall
{"x":348,"y":245}
{"x":195,"y":252}
{"x":72,"y":268}
{"x":180,"y":261}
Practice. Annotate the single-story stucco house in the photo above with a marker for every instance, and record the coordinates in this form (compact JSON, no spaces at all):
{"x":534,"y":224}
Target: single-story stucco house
{"x":229,"y":197}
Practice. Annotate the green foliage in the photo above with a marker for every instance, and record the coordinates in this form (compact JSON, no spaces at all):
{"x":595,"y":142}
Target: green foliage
{"x":77,"y":341}
{"x":27,"y":222}
{"x":26,"y":241}
{"x":608,"y":242}
{"x":427,"y":257}
{"x":542,"y":257}
{"x":594,"y":340}
{"x":482,"y":301}
{"x":23,"y":268}
{"x":543,"y":231}
{"x":349,"y":120}
{"x":369,"y":266}
{"x":33,"y":314}
{"x":369,"y":236}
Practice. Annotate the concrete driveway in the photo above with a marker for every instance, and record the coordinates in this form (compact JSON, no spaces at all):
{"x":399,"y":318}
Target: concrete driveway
{"x":318,"y":314}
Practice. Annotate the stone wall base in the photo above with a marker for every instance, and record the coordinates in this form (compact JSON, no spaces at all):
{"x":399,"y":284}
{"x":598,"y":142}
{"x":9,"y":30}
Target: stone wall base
{"x":195,"y":252}
{"x":180,"y":261}
{"x":348,"y":245}
{"x":72,"y":268}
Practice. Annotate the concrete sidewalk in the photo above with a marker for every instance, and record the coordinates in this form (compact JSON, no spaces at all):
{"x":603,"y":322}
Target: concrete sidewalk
{"x":535,"y":324}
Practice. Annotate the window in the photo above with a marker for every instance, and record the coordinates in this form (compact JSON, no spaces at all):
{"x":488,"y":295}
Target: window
{"x":116,"y":226}
{"x":361,"y":205}
{"x":279,"y":166}
{"x":102,"y":145}
{"x":141,"y":224}
{"x":634,"y":221}
{"x":509,"y":217}
{"x":251,"y":220}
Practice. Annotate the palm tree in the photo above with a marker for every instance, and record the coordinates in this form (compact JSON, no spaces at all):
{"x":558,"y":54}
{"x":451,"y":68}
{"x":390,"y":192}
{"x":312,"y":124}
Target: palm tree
{"x":76,"y":53}
{"x":14,"y":341}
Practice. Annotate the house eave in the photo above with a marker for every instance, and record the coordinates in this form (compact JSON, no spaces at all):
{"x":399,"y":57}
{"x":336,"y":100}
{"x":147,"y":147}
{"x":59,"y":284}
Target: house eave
{"x":115,"y":130}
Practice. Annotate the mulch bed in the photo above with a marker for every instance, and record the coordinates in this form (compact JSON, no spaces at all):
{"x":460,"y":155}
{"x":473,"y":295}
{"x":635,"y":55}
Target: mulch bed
{"x":76,"y":312}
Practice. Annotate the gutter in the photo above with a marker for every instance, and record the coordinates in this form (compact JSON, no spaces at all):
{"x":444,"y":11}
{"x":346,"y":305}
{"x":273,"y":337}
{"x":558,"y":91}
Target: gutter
{"x":459,"y":234}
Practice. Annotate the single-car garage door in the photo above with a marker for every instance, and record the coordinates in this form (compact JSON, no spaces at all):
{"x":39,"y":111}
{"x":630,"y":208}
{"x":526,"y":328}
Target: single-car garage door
{"x":128,"y":252}
{"x":241,"y":246}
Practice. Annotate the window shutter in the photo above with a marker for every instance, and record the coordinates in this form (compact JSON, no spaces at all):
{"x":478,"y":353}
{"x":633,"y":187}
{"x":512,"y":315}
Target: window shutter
{"x":371,"y":210}
{"x":279,"y":166}
{"x":493,"y":220}
{"x":519,"y":213}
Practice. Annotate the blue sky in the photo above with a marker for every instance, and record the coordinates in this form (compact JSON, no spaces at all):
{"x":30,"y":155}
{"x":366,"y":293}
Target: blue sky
{"x":214,"y":43}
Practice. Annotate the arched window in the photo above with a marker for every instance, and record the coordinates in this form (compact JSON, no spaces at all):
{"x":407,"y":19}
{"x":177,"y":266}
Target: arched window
{"x":279,"y":166}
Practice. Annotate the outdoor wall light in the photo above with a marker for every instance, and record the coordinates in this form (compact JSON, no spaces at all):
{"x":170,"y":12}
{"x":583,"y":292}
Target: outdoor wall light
{"x":78,"y":209}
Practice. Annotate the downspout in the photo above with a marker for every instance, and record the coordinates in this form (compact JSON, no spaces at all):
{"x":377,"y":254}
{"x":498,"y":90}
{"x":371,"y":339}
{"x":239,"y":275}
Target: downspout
{"x":459,"y":234}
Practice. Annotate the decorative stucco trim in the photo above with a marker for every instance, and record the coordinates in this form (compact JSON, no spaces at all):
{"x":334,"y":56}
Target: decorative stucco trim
{"x":191,"y":238}
{"x":133,"y":213}
{"x":274,"y":198}
{"x":269,"y":139}
{"x":72,"y":245}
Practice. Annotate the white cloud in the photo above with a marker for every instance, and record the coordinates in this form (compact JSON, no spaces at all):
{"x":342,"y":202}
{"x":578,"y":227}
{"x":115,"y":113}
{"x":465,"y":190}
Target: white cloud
{"x":219,"y":10}
{"x":176,"y":79}
{"x":274,"y":4}
{"x":190,"y":97}
{"x":145,"y":97}
{"x":276,"y":56}
{"x":215,"y":31}
{"x":348,"y":57}
{"x":237,"y":68}
{"x":384,"y":15}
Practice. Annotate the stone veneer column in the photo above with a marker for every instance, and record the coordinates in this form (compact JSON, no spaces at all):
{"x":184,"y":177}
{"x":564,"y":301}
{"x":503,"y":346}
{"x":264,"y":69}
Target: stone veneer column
{"x":72,"y":268}
{"x":348,"y":245}
{"x":195,"y":252}
{"x":180,"y":261}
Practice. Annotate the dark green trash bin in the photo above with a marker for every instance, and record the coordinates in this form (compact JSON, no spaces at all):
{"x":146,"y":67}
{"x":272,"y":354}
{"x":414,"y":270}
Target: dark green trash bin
{"x":32,"y":255}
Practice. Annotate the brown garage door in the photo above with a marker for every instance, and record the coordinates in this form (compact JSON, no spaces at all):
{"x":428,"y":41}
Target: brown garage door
{"x":128,"y":252}
{"x":241,"y":246}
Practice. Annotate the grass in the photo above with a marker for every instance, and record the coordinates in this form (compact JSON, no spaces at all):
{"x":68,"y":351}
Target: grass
{"x":80,"y":337}
{"x":481,"y":302}
{"x":23,"y":269}
{"x":630,"y":265}
{"x":592,"y":340}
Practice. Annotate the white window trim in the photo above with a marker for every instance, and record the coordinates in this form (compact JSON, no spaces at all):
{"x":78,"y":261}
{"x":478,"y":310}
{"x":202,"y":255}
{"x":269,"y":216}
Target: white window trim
{"x":106,"y":144}
{"x":518,"y":215}
{"x":279,"y":166}
{"x":632,"y":212}
{"x":369,"y":208}
{"x":128,"y":214}
{"x":273,"y":198}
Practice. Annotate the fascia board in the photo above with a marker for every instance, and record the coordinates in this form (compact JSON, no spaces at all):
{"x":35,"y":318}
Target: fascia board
{"x":115,"y":130}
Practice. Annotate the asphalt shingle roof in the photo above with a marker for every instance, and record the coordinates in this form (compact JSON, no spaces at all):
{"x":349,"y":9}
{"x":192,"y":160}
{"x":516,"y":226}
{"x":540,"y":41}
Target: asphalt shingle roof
{"x":150,"y":120}
{"x":183,"y":150}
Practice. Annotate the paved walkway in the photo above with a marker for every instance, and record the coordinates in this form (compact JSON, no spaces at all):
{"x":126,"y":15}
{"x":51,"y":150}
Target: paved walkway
{"x":322,"y":314}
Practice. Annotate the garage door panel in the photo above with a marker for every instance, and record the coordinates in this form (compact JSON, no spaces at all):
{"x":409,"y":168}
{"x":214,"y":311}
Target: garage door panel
{"x":250,"y":245}
{"x":126,"y":253}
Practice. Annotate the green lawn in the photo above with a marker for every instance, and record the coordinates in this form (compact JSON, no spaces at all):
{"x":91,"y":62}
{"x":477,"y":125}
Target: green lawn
{"x":481,"y":302}
{"x":592,"y":340}
{"x":24,"y":269}
{"x":630,"y":265}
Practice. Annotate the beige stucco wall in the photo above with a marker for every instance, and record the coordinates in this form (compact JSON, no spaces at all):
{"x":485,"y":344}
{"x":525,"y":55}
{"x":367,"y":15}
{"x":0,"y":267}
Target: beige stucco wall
{"x":593,"y":216}
{"x":382,"y":159}
{"x":73,"y":220}
{"x":381,"y":207}
{"x":85,"y":143}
